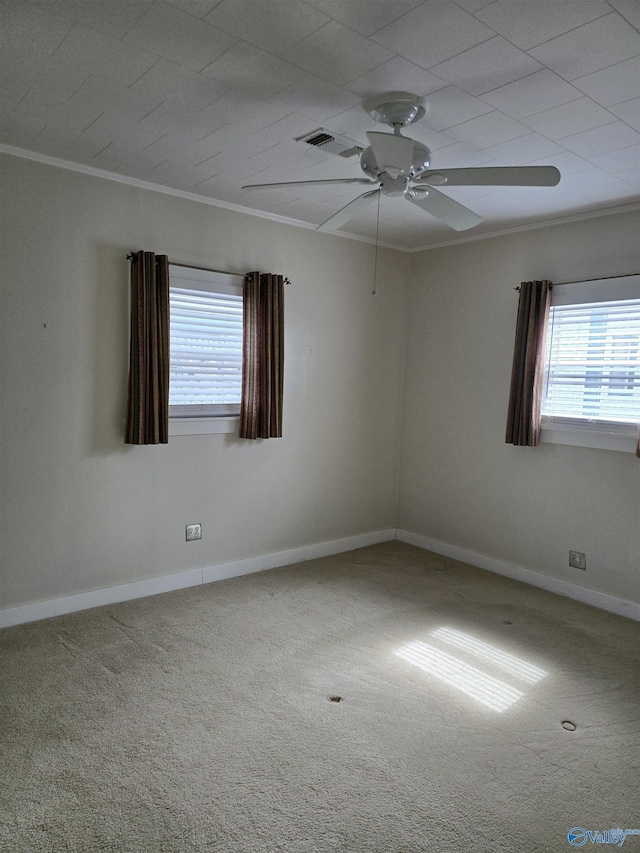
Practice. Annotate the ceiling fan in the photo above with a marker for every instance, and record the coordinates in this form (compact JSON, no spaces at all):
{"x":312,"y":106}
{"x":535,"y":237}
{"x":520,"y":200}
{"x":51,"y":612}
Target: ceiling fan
{"x":399,"y":166}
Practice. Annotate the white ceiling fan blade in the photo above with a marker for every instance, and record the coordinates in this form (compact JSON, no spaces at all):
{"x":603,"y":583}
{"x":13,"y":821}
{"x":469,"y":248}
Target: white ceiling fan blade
{"x":306,"y":183}
{"x":493,"y":176}
{"x":456,"y":215}
{"x":393,"y":153}
{"x":348,"y":211}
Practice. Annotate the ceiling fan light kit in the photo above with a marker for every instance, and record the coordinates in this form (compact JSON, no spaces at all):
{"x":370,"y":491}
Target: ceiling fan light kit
{"x":394,"y":162}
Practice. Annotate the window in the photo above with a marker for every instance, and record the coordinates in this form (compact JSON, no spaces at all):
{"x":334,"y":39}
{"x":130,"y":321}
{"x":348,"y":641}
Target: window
{"x":592,"y":368}
{"x":205,"y":377}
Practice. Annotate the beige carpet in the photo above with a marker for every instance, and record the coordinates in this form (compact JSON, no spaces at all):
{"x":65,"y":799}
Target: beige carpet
{"x":202,"y":720}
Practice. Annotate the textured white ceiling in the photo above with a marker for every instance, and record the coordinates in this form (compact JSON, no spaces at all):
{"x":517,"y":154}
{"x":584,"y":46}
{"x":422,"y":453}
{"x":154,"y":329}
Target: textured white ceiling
{"x":202,"y":96}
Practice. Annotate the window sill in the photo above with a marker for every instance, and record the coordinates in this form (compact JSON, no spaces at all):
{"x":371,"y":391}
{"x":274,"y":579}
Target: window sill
{"x":203,"y":426}
{"x":589,"y":438}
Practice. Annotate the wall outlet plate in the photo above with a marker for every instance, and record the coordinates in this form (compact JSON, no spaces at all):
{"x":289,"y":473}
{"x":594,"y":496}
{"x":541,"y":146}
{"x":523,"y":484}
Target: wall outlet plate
{"x":578,"y":560}
{"x":194,"y":531}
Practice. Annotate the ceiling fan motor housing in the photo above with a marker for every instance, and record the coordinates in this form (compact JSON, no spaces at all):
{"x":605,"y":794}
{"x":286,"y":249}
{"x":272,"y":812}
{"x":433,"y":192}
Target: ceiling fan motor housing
{"x":420,"y":162}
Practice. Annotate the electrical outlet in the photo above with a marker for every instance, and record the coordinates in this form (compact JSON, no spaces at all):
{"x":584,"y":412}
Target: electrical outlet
{"x":194,"y":531}
{"x":578,"y":560}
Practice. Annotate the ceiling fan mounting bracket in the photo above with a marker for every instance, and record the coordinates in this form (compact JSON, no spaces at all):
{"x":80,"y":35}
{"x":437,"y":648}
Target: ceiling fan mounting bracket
{"x":397,"y":109}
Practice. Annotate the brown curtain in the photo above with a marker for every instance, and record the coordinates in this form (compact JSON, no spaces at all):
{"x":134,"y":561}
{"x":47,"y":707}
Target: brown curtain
{"x":523,"y":419}
{"x":262,"y":356}
{"x":148,"y":393}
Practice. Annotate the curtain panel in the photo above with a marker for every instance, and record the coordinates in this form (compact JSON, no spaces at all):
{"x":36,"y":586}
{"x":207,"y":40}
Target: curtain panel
{"x":147,"y":420}
{"x":525,"y":398}
{"x":262,"y":357}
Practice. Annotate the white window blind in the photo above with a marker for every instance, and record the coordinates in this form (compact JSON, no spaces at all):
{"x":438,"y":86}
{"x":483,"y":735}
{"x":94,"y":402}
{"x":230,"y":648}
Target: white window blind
{"x":206,"y":322}
{"x":592,"y":377}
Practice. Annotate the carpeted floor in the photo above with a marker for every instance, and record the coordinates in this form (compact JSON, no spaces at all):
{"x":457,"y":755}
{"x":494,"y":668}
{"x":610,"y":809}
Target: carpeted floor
{"x":203,"y":720}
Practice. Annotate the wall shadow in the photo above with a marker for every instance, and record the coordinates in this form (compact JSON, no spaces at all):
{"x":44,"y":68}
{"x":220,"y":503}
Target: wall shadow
{"x":110,"y":350}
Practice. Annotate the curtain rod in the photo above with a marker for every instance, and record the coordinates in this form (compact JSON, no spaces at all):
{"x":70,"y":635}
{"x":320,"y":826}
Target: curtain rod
{"x":132,"y":254}
{"x":585,"y":280}
{"x":205,"y":269}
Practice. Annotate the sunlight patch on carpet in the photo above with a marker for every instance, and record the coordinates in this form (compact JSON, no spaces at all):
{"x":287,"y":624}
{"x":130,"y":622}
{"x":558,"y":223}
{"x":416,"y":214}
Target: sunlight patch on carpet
{"x":490,"y":691}
{"x":485,"y":651}
{"x":480,"y":685}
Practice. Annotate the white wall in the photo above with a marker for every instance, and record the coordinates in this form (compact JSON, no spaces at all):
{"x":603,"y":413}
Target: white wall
{"x":82,"y":511}
{"x":460,"y":484}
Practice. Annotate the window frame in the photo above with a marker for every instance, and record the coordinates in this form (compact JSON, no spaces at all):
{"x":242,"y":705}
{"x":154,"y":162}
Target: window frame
{"x":208,"y":281}
{"x":606,"y":435}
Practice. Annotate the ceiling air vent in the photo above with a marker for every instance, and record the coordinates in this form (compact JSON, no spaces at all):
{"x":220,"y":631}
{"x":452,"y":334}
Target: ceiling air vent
{"x":332,"y":143}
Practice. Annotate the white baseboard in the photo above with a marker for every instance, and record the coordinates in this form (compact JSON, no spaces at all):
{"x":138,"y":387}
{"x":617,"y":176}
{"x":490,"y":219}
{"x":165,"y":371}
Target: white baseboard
{"x":195,"y":577}
{"x":571,"y":590}
{"x":295,"y":555}
{"x":180,"y":580}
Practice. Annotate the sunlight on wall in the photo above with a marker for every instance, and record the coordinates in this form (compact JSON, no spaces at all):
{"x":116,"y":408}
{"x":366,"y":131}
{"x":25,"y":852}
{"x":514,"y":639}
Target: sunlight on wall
{"x":480,"y":685}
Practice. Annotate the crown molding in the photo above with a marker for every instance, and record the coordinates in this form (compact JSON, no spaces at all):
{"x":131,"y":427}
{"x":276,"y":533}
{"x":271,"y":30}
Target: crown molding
{"x":299,"y":223}
{"x":531,"y":226}
{"x":47,"y":160}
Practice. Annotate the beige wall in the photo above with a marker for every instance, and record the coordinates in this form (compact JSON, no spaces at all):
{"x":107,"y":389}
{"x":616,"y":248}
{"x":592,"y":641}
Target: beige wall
{"x":82,"y":511}
{"x":459,"y":482}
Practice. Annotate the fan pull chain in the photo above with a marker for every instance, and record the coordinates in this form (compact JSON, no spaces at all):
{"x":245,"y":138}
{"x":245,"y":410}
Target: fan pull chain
{"x":375,"y":257}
